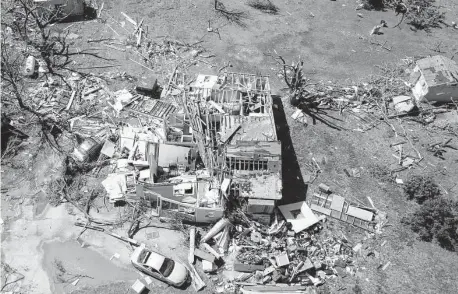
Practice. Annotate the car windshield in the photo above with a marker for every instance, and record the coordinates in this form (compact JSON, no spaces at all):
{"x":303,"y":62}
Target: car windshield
{"x":144,"y":255}
{"x":167,"y":267}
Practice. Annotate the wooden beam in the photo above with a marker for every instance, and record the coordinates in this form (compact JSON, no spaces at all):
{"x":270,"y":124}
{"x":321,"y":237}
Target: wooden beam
{"x":247,"y":268}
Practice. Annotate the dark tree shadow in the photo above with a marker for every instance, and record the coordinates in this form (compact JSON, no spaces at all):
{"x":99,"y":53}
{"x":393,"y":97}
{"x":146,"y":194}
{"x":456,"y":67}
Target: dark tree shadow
{"x":233,"y":16}
{"x":294,"y":188}
{"x":321,"y":116}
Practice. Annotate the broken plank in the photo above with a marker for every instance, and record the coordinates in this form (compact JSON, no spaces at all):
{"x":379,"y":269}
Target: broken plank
{"x":229,"y":132}
{"x":92,"y":91}
{"x":198,"y":282}
{"x":129,"y":19}
{"x":204,"y":255}
{"x":247,"y":268}
{"x":71,"y":101}
{"x":211,"y":250}
{"x":115,"y":48}
{"x":216,"y":106}
{"x":100,"y":10}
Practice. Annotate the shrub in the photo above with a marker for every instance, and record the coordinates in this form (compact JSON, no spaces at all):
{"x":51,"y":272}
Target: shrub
{"x":436,"y":219}
{"x":373,"y":4}
{"x":357,"y":289}
{"x":421,"y":188}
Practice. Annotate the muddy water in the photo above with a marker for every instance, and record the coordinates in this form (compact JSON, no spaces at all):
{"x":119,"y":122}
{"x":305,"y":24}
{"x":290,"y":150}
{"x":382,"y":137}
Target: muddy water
{"x":80,"y":261}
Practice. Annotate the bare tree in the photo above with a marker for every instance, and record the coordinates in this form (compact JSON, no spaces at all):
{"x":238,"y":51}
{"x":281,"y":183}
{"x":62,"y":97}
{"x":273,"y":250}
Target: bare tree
{"x":294,"y":79}
{"x":26,"y":31}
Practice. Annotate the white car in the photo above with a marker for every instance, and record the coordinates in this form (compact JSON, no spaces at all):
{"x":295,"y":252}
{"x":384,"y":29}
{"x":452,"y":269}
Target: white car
{"x":159,"y":266}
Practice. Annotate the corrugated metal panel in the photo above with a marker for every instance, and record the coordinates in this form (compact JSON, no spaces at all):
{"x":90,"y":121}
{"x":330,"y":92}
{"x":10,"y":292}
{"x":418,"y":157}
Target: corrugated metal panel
{"x":151,"y":107}
{"x":360,"y":213}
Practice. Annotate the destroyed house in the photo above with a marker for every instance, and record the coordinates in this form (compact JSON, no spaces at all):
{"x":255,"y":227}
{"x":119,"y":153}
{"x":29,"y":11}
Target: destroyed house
{"x":185,"y":197}
{"x":164,"y":116}
{"x":435,"y":79}
{"x":234,"y":128}
{"x":230,"y":120}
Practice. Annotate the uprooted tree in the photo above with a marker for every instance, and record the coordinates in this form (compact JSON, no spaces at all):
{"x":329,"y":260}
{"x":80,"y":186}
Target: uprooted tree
{"x":297,"y":83}
{"x":27,"y":33}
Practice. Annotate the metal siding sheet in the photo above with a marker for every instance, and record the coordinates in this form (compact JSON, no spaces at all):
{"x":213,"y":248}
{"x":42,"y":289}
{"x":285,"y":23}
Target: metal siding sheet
{"x":337,"y":203}
{"x":360,"y":213}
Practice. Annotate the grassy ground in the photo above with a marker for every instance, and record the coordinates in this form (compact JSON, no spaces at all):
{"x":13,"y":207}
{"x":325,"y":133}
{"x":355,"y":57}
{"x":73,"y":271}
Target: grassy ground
{"x":416,"y":267}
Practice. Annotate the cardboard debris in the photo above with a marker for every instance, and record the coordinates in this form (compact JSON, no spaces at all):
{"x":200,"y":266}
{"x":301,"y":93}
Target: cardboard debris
{"x":299,"y":215}
{"x":138,"y":286}
{"x":208,"y":266}
{"x":403,"y":104}
{"x":268,"y":270}
{"x":282,"y":260}
{"x":299,"y":116}
{"x":108,"y":149}
{"x":204,"y":255}
{"x":115,"y":185}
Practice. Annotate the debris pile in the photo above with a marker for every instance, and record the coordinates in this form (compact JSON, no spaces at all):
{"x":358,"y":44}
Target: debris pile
{"x":291,"y":252}
{"x":275,"y":255}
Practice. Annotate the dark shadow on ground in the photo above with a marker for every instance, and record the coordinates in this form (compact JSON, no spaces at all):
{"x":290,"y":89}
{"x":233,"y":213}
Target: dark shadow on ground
{"x":90,"y":13}
{"x":294,"y":188}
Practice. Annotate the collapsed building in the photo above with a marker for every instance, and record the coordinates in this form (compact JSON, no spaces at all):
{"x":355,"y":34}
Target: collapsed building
{"x":231,"y":121}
